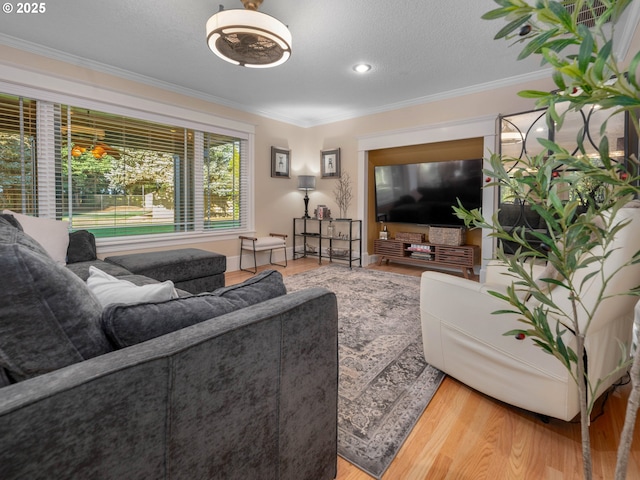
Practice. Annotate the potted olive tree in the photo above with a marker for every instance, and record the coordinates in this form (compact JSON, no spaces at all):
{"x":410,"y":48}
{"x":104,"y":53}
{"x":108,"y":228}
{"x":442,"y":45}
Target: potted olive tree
{"x":586,"y":73}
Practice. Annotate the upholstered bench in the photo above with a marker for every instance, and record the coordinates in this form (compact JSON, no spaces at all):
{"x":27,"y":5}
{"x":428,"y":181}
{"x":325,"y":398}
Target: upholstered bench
{"x":190,"y":269}
{"x":262,"y":244}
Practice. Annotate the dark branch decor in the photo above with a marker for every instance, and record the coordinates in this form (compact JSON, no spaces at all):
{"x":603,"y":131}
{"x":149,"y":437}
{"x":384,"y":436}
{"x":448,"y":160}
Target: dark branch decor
{"x":343,"y":193}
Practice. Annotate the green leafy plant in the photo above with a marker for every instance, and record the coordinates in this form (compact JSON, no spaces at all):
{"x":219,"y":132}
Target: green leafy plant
{"x":586,"y":73}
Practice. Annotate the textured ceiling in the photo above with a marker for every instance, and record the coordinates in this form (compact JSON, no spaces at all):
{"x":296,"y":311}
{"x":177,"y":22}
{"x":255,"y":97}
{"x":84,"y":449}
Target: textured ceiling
{"x":419,"y":50}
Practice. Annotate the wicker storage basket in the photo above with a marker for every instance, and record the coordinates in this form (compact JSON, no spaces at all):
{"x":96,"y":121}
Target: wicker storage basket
{"x":410,"y":237}
{"x":447,"y":236}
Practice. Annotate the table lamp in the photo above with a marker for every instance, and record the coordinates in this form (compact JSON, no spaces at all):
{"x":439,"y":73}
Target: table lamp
{"x":306,"y":183}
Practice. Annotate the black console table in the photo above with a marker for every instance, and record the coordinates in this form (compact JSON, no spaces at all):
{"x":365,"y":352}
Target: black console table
{"x":333,"y":239}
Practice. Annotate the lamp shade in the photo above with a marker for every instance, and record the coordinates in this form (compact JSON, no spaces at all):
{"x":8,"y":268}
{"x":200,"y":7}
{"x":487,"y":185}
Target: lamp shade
{"x":248,"y":38}
{"x":306,"y":182}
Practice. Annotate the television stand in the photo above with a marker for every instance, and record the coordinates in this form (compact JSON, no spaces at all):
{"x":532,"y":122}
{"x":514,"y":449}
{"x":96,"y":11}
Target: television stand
{"x":428,"y":254}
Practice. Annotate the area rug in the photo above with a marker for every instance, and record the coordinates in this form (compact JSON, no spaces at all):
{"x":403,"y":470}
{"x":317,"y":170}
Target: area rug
{"x":384,"y":382}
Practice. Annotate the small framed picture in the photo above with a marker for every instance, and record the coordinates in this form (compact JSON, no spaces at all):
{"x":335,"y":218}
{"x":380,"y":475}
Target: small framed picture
{"x":280,"y":161}
{"x":330,"y":163}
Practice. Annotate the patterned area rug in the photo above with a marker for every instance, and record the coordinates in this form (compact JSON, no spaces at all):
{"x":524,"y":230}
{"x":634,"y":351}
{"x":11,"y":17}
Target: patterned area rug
{"x":385,"y":383}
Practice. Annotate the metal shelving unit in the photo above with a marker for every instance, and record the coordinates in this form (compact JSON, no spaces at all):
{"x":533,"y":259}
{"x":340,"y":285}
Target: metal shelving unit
{"x":333,"y":239}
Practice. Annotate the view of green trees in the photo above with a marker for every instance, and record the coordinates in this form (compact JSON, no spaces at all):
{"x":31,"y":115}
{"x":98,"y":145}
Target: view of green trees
{"x":15,"y":173}
{"x":222,"y":182}
{"x":123,"y":186}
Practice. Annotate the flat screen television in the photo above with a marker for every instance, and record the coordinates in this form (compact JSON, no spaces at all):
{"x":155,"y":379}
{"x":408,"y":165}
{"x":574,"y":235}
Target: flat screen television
{"x":423,"y":193}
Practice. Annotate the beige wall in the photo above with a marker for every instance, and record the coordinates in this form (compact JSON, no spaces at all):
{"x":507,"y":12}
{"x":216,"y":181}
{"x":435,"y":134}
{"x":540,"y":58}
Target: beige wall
{"x":277,"y":200}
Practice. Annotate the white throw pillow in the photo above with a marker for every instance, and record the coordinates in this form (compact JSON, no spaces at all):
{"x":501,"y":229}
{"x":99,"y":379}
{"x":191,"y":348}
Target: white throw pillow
{"x":52,"y":234}
{"x":109,"y":289}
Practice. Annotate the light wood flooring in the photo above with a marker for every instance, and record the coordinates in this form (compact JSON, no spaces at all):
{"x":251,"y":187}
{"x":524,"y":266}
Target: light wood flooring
{"x":464,"y":435}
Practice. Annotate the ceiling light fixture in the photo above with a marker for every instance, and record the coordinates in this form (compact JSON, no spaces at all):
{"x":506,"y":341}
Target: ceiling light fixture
{"x":362,"y":68}
{"x":249,"y":38}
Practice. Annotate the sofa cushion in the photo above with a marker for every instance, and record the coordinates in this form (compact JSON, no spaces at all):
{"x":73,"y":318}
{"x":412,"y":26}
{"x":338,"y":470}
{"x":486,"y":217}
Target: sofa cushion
{"x":4,"y":378}
{"x":109,"y":290}
{"x":127,"y":325}
{"x":81,"y":269}
{"x":52,"y":234}
{"x":82,"y":247}
{"x":51,"y":320}
{"x":179,"y":265}
{"x":141,"y":280}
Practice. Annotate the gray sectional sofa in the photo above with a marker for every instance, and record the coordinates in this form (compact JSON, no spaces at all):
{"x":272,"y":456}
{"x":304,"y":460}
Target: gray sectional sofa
{"x":240,"y":383}
{"x":190,"y":269}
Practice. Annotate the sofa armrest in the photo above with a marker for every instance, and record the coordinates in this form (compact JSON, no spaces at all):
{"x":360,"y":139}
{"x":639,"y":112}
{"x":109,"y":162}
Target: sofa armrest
{"x":245,"y":395}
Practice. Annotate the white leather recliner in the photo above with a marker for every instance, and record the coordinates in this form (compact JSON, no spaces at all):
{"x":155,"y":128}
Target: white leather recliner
{"x":463,"y":338}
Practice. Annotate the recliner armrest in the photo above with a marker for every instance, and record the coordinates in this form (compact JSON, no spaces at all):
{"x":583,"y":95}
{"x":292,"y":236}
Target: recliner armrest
{"x":497,"y":273}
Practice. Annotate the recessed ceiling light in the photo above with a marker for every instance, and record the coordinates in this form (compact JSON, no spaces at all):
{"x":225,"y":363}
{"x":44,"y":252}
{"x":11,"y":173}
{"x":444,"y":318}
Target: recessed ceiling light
{"x":362,"y":67}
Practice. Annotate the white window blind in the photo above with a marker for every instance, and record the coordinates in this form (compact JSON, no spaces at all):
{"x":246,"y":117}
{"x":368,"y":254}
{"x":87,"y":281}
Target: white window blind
{"x":116,"y":175}
{"x":48,"y":142}
{"x":124,"y":176}
{"x":18,"y":185}
{"x":225,"y":176}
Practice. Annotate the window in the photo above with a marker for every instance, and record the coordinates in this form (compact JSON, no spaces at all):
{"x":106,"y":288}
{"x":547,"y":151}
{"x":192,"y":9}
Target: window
{"x":17,"y":155}
{"x":117,"y":176}
{"x":126,"y":176}
{"x":223,"y":182}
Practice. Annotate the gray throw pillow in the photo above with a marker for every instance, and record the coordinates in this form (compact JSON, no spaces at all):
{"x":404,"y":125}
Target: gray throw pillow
{"x":48,"y":318}
{"x":12,"y":220}
{"x":127,"y":325}
{"x":82,"y":247}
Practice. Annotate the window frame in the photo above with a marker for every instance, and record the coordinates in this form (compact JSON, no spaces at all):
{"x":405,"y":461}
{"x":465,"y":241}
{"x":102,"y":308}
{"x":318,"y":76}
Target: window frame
{"x":150,"y":110}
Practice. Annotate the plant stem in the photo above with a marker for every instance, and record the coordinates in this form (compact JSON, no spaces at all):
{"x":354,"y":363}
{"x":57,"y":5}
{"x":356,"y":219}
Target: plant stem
{"x":582,"y":395}
{"x":626,"y":436}
{"x":584,"y":412}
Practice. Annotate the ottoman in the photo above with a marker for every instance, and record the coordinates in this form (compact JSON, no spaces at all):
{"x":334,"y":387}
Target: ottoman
{"x":190,"y":269}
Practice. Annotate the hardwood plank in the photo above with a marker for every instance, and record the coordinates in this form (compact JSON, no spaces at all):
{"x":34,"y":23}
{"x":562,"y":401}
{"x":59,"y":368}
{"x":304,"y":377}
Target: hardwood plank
{"x":464,"y":434}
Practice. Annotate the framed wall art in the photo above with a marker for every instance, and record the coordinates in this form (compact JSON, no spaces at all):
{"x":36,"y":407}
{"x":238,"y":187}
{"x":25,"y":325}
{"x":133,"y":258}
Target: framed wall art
{"x":280,"y":162}
{"x":330,"y":163}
